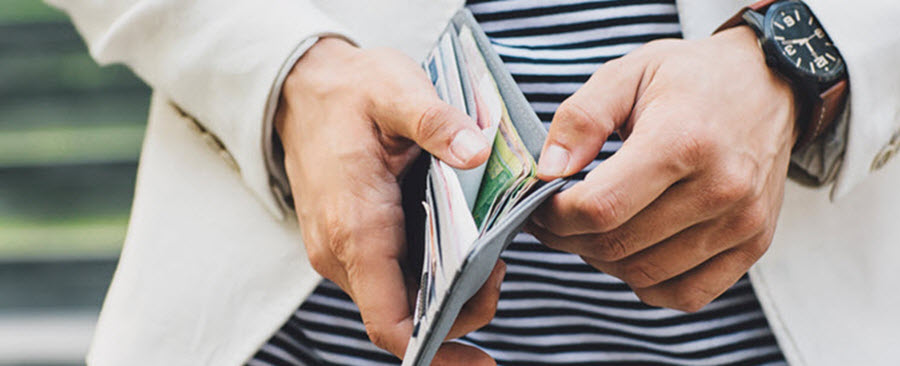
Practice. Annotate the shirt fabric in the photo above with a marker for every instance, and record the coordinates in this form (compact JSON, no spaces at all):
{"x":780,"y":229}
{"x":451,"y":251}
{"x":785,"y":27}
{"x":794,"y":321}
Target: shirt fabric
{"x":554,"y":309}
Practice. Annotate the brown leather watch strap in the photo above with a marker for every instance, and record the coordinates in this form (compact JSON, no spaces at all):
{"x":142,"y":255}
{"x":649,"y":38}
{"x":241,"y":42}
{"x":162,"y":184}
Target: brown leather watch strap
{"x":824,"y":112}
{"x":738,"y":18}
{"x":822,"y":109}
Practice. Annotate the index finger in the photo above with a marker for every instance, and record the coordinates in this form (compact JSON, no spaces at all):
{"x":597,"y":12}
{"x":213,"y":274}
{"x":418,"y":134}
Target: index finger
{"x":378,"y":288}
{"x":615,"y":191}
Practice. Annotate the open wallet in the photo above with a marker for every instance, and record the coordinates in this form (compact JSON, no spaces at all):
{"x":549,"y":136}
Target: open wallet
{"x":459,"y":221}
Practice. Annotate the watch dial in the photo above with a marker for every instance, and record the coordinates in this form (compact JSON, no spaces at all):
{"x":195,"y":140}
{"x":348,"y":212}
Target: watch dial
{"x":803,"y":42}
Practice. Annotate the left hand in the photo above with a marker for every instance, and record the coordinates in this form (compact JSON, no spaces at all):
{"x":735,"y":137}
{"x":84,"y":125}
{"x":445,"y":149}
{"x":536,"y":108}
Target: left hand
{"x":690,"y":201}
{"x":351,"y":121}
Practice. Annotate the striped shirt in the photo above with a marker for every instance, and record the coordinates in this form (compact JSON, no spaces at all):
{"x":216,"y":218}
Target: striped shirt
{"x":554,"y":309}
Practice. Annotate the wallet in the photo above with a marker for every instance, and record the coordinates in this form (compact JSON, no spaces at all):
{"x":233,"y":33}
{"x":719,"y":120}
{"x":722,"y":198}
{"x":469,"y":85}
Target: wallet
{"x":433,"y":322}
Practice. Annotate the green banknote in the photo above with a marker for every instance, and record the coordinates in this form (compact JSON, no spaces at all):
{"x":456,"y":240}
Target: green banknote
{"x":510,"y":169}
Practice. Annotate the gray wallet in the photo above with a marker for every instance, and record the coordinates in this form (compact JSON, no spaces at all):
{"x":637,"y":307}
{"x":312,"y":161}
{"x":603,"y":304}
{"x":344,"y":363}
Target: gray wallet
{"x":429,"y":333}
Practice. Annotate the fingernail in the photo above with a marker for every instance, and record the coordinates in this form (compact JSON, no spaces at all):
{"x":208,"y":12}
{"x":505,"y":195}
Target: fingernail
{"x":467,"y":144}
{"x":553,"y":161}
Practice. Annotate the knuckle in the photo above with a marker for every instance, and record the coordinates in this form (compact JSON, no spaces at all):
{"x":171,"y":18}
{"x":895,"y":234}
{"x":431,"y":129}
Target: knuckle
{"x":649,"y":297}
{"x":692,"y":298}
{"x":376,"y":334}
{"x":575,"y":117}
{"x":723,"y":195}
{"x":433,"y":122}
{"x":337,"y":237}
{"x":750,"y":252}
{"x":319,"y":259}
{"x":604,"y":212}
{"x":741,"y":184}
{"x":751,"y":220}
{"x":642,"y":274}
{"x":687,"y":298}
{"x":612,"y":246}
{"x":693,"y":149}
{"x":732,"y":187}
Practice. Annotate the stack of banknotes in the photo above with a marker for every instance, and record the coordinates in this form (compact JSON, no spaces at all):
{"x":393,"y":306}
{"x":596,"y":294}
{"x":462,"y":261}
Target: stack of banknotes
{"x":470,"y":216}
{"x":462,"y":205}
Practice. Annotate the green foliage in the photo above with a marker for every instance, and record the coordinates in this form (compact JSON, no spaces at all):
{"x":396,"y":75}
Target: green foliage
{"x":70,"y":135}
{"x":21,"y":11}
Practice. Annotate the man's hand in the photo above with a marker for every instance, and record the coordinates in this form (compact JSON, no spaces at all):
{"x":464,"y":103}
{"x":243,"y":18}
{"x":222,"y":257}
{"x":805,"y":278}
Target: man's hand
{"x":350,"y":121}
{"x":690,"y":201}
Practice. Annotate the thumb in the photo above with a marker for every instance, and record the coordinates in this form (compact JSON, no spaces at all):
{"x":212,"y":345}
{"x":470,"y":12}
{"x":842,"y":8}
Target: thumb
{"x":584,"y":121}
{"x":439,"y":128}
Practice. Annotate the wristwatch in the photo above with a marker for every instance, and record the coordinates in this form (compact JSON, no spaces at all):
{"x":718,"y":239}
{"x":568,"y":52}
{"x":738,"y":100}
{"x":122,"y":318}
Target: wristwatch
{"x":798,"y":49}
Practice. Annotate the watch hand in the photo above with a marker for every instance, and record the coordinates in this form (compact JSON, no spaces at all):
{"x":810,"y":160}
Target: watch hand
{"x":811,"y":50}
{"x":795,"y":41}
{"x":798,"y":40}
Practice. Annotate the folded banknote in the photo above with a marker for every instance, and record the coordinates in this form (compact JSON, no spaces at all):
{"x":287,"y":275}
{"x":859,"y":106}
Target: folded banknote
{"x":470,"y":216}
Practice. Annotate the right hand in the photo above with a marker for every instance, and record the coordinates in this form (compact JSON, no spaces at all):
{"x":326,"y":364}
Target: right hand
{"x":351,"y":122}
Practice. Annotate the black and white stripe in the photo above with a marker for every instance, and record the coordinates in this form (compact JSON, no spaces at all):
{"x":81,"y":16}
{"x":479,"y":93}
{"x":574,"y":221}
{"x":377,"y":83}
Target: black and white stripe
{"x":554,"y":309}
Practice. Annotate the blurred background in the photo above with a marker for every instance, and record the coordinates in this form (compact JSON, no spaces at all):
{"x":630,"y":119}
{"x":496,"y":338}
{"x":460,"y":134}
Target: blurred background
{"x":70,"y":136}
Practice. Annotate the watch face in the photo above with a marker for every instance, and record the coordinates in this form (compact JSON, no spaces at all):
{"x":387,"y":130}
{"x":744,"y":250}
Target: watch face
{"x":802,"y":42}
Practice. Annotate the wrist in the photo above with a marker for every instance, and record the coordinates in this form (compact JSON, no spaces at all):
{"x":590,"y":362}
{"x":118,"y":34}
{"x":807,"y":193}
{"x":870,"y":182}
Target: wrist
{"x":326,"y":49}
{"x":744,"y":40}
{"x":799,"y":49}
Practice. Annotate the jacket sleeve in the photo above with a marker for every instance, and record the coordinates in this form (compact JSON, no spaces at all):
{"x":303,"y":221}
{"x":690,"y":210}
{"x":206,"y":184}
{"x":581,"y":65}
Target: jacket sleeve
{"x":867,"y":134}
{"x":866,"y":34}
{"x":220,"y":62}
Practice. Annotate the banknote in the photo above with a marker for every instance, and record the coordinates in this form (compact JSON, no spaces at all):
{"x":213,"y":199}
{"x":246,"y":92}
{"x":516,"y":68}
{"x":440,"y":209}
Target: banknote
{"x":471,"y":215}
{"x":510,"y":170}
{"x":461,"y":205}
{"x":487,"y":98}
{"x":463,"y":80}
{"x":434,"y":67}
{"x":510,"y":166}
{"x":450,"y":71}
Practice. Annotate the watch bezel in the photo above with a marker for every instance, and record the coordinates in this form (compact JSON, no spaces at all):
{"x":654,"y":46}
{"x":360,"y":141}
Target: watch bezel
{"x":784,"y":63}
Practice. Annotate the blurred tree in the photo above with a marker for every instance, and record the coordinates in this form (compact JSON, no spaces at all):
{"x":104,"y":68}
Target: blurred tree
{"x":70,"y":134}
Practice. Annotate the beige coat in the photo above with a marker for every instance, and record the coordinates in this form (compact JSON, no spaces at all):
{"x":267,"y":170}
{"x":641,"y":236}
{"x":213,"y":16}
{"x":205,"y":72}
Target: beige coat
{"x":213,"y":264}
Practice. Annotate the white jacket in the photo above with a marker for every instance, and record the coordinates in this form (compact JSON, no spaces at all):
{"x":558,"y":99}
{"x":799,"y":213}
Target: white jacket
{"x":213,"y":264}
